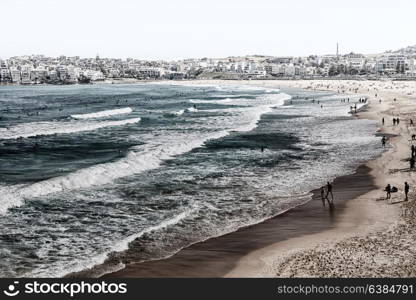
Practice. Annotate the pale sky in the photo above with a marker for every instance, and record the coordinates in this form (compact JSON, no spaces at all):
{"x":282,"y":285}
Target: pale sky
{"x":176,"y":29}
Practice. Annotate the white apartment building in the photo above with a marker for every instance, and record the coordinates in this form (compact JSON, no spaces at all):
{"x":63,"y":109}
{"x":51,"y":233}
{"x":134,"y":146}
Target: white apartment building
{"x":25,"y":74}
{"x":4,"y":74}
{"x":355,"y":61}
{"x":390,"y":63}
{"x":412,"y":67}
{"x":15,"y":75}
{"x":290,"y":70}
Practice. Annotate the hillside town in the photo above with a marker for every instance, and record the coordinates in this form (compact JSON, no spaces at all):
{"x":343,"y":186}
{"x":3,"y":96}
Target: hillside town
{"x":39,"y":69}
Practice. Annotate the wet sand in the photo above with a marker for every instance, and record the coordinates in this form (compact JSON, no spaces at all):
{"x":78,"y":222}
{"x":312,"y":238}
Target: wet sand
{"x":218,"y":256}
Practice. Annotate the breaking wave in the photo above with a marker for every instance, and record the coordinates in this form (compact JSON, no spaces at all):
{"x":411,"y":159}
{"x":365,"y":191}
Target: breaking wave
{"x":104,"y":113}
{"x":26,"y":130}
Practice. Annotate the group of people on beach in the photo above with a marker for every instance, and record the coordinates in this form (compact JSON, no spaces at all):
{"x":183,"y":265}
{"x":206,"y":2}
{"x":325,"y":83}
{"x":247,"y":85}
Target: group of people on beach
{"x":392,"y":189}
{"x":389,"y":189}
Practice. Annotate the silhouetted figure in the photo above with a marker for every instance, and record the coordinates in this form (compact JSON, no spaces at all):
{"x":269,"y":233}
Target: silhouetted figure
{"x":329,"y":191}
{"x":412,"y":163}
{"x":394,"y":121}
{"x":383,"y":141}
{"x":411,"y":122}
{"x":406,"y":190}
{"x":388,"y":191}
{"x":382,"y":121}
{"x":323,"y":195}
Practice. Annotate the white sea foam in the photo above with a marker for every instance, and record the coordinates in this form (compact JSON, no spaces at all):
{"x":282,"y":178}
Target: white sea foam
{"x":104,"y":113}
{"x":140,"y":158}
{"x":120,"y":246}
{"x":224,"y":101}
{"x":48,"y":128}
{"x":191,"y":109}
{"x":124,"y":244}
{"x":9,"y":197}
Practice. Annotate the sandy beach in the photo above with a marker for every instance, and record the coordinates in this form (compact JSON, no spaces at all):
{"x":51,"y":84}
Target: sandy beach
{"x":382,"y":243}
{"x":365,"y":235}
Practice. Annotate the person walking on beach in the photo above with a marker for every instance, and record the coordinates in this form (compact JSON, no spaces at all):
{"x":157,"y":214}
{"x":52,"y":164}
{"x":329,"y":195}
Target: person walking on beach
{"x":394,"y":121}
{"x":329,"y":191}
{"x":388,"y":191}
{"x":323,"y":195}
{"x":406,"y":190}
{"x":382,"y":121}
{"x":413,"y":149}
{"x":383,"y":141}
{"x":411,"y":122}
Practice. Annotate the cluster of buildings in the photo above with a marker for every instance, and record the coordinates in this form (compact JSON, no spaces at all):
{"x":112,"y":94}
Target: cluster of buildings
{"x":38,"y":69}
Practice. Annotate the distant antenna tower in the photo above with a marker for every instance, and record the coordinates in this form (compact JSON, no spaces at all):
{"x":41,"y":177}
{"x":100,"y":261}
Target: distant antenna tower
{"x":337,"y":50}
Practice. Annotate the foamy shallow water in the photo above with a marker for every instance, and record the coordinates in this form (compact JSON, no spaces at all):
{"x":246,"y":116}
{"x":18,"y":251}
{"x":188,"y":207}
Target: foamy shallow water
{"x":189,"y":167}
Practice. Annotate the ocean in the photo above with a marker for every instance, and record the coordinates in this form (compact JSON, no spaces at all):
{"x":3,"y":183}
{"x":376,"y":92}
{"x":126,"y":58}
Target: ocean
{"x":93,"y":175}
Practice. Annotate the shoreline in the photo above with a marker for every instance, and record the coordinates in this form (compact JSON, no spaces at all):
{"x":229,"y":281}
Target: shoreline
{"x":361,"y":252}
{"x":257,"y":259}
{"x":220,"y":256}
